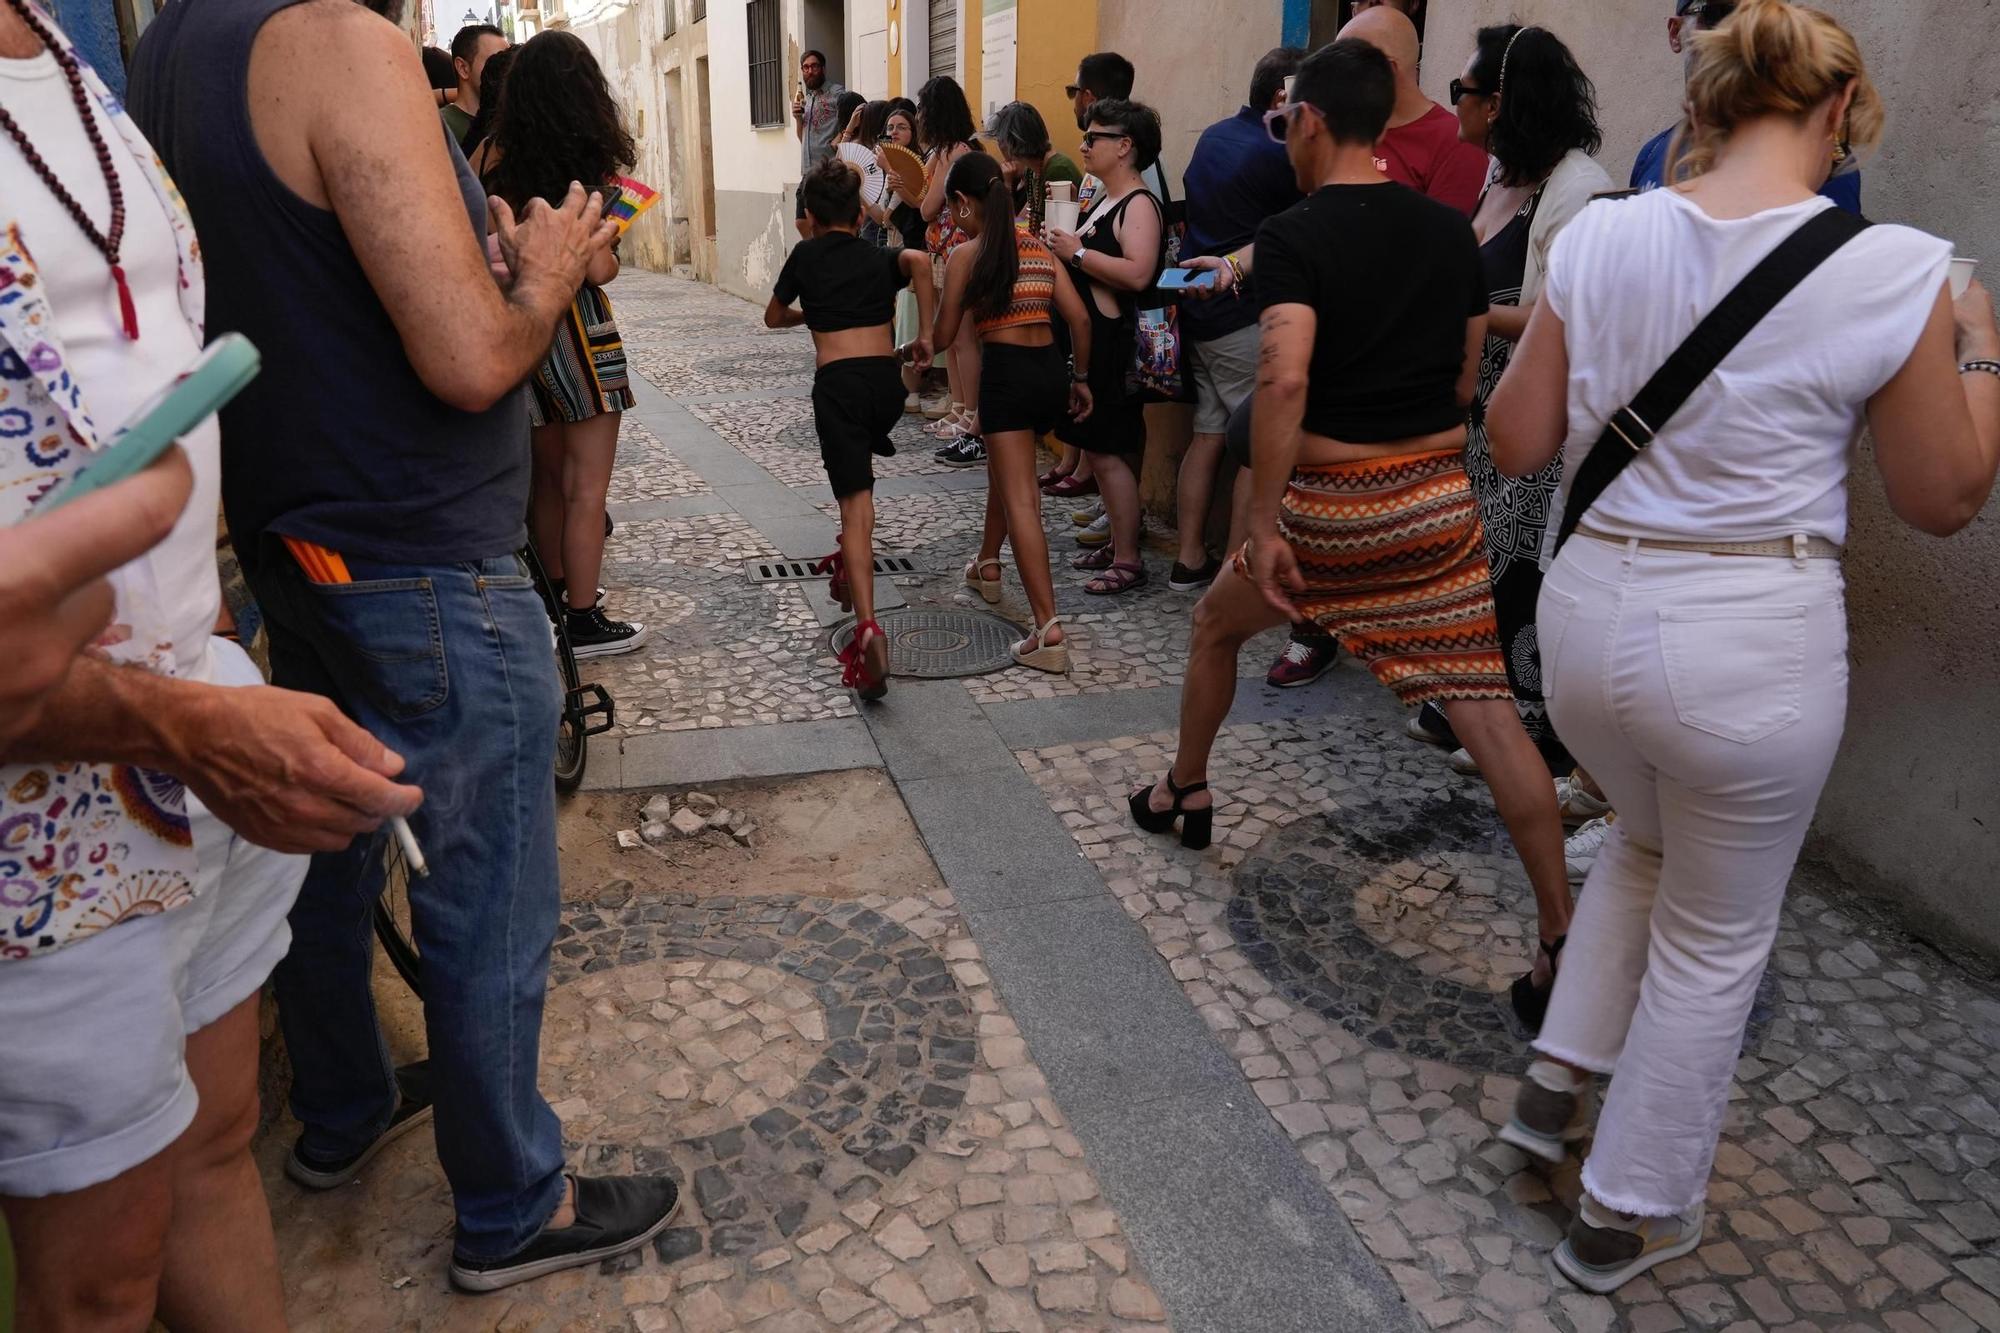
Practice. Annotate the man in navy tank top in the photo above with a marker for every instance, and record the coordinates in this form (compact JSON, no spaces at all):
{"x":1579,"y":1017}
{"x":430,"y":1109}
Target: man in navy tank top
{"x":375,"y":477}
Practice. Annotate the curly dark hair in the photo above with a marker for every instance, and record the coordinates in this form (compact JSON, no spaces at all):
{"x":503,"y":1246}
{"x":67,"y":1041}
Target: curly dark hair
{"x":1548,"y":105}
{"x":556,"y":124}
{"x":944,"y":117}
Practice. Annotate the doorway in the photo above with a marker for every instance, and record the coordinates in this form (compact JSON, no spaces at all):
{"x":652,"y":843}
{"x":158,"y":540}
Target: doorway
{"x":1329,"y":16}
{"x":823,"y":27}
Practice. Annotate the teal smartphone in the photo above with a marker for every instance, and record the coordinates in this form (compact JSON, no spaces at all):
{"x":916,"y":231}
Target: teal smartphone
{"x":195,"y":395}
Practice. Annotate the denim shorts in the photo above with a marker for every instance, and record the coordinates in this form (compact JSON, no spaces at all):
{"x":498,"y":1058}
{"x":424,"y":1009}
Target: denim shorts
{"x":96,"y":1079}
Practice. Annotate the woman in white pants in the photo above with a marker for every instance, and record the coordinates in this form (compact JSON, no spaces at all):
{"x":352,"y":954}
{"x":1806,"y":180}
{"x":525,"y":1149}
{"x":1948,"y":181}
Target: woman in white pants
{"x":1693,"y":632}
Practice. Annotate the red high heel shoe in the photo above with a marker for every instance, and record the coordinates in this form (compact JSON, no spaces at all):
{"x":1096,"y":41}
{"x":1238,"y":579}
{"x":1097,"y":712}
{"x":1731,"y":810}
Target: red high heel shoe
{"x":837,"y":586}
{"x":857,"y":673}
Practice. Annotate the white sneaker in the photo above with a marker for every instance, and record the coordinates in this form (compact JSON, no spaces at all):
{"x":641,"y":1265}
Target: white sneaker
{"x":1577,"y":805}
{"x":1580,"y":848}
{"x":1461,"y":761}
{"x":1605,"y":1249}
{"x":935,"y":405}
{"x":1095,"y":533}
{"x":1089,"y":514}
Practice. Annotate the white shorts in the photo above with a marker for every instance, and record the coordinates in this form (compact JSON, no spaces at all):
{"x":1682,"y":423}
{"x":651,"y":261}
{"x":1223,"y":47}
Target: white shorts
{"x":94,"y":1079}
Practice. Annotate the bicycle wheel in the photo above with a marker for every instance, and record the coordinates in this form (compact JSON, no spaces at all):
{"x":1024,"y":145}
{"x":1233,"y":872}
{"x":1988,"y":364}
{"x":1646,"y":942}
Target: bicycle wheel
{"x":572,"y":736}
{"x":392,"y":919}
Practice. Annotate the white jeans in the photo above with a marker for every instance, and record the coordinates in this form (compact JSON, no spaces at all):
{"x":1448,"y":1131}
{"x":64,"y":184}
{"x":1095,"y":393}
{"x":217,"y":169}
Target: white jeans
{"x":1706,"y":694}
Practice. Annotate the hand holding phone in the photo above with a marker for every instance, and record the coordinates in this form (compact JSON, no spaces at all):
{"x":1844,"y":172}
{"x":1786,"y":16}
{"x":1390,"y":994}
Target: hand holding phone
{"x":1180,"y":279}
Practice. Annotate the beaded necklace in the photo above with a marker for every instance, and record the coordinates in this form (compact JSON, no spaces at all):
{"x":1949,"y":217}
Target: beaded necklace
{"x":107,"y":243}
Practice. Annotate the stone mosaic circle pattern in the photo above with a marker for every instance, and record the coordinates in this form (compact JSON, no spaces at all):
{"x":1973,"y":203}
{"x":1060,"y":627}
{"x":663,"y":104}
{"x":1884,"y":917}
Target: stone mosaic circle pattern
{"x":850,"y":1040}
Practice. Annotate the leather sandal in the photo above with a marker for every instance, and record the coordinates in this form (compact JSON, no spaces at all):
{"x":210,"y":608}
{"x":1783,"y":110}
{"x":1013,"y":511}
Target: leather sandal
{"x":835,"y":568}
{"x":1070,"y":486}
{"x":1197,"y":826}
{"x":1119,"y":576}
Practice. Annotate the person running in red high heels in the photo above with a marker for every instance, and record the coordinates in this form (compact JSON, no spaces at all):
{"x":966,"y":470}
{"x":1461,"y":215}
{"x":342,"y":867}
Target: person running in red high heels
{"x":847,"y":288}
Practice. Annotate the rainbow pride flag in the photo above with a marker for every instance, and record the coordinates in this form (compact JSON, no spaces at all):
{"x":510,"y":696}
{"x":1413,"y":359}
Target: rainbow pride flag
{"x":633,"y":199}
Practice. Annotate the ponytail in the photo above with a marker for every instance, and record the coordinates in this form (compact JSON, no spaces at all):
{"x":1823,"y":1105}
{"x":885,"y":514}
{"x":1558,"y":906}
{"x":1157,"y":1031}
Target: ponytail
{"x":989,"y":288}
{"x":1770,"y":58}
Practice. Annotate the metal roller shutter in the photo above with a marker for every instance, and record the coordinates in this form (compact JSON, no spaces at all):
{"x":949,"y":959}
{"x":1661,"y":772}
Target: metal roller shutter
{"x":944,"y":38}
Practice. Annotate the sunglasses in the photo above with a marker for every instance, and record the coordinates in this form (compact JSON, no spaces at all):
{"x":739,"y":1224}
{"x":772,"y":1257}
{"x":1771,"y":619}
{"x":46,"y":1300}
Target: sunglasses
{"x":1097,"y":136}
{"x":1070,"y":91}
{"x":1278,"y":120}
{"x":1705,"y":13}
{"x":1460,"y":90}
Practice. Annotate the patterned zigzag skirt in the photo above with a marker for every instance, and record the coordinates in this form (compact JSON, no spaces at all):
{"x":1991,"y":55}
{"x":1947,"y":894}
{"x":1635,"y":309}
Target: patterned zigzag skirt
{"x":1395,"y":566}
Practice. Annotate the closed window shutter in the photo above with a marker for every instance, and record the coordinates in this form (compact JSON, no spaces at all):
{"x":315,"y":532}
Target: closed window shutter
{"x":944,"y":38}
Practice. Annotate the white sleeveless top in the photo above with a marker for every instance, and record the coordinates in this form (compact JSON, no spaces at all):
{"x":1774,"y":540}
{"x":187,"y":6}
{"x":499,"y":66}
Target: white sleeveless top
{"x":1762,"y":448}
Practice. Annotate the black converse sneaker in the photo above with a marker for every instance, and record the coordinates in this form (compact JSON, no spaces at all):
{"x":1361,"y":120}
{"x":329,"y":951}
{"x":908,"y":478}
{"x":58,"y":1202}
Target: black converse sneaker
{"x":594,"y":634}
{"x":614,"y":1214}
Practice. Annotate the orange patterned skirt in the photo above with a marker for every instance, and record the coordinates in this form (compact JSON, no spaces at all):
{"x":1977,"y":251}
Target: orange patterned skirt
{"x":1395,"y":567}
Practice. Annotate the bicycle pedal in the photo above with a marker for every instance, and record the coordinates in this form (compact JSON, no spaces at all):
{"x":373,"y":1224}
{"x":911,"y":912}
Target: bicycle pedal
{"x":588,"y":702}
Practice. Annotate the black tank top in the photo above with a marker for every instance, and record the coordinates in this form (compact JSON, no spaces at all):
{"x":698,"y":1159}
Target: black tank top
{"x":337,"y":441}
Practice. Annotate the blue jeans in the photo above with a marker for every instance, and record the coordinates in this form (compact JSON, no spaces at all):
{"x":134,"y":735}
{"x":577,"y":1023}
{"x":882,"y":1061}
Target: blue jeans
{"x":451,"y":667}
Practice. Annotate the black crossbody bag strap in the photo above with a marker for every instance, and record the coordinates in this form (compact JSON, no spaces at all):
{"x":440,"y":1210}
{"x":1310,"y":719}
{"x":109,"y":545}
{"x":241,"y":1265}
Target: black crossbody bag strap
{"x":1635,"y":425}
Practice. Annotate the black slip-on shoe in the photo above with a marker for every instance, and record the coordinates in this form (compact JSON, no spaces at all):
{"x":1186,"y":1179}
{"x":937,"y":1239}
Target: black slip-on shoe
{"x":614,"y":1214}
{"x":316,"y":1173}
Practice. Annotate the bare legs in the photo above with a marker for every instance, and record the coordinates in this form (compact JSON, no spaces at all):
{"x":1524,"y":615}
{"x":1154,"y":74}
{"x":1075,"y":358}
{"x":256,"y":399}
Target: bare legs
{"x":572,"y":476}
{"x":1014,"y":512}
{"x":1227,"y":616}
{"x":221,"y":1258}
{"x":965,"y":361}
{"x":1199,"y":466}
{"x":187,"y":1229}
{"x":857,"y":552}
{"x":1526,"y":800}
{"x":1119,"y":486}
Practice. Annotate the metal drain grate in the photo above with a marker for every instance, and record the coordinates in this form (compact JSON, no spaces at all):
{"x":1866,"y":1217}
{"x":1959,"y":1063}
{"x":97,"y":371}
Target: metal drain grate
{"x":799,"y":571}
{"x":939,"y":643}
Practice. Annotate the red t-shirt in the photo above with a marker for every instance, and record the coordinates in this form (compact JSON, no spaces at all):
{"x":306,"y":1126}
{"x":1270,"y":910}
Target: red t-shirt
{"x":1428,"y":156}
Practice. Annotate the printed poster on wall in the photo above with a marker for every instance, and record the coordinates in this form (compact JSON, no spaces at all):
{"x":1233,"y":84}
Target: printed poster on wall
{"x":999,"y":22}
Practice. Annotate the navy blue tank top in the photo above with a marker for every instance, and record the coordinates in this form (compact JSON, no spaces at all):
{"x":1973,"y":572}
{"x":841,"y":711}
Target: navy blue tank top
{"x":337,"y":441}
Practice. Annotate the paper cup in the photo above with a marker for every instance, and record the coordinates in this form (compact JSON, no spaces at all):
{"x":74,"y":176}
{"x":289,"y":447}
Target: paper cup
{"x":1961,"y":276}
{"x":1062,"y":191}
{"x":1060,"y":214}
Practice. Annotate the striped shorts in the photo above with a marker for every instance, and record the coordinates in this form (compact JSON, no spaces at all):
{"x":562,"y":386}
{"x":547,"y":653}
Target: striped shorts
{"x":1394,"y":562}
{"x":584,"y":373}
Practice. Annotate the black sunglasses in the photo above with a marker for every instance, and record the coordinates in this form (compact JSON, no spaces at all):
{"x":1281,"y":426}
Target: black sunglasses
{"x":1460,"y":90}
{"x":1095,"y":136}
{"x":1705,"y":13}
{"x":1070,"y":91}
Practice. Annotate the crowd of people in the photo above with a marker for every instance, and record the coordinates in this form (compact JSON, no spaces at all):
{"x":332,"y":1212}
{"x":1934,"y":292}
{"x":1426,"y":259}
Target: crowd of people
{"x":1481,"y":442}
{"x":1473,"y":449}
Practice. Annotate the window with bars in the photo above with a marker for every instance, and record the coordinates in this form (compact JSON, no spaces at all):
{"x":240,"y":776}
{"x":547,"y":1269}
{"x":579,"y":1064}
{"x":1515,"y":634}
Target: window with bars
{"x":767,"y":64}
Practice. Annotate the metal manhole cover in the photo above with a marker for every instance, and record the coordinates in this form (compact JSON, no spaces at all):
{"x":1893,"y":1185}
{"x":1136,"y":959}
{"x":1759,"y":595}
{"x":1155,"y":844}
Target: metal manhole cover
{"x":938,"y":643}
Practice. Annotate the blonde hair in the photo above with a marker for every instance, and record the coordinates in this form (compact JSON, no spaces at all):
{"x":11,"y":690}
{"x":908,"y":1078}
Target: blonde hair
{"x":1770,"y":58}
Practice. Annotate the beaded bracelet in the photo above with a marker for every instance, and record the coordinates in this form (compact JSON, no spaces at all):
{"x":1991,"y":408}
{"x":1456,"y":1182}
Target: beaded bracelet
{"x":1236,"y":275}
{"x":1990,"y":367}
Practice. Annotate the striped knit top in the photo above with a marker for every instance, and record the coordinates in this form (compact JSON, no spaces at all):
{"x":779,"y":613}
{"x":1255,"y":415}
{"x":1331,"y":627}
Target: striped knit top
{"x":1034,"y":289}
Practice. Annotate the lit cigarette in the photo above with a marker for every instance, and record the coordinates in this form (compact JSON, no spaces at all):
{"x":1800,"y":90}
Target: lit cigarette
{"x":412,"y":853}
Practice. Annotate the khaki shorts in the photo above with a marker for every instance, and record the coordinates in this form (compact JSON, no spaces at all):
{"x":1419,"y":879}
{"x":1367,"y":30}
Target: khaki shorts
{"x":1225,"y":373}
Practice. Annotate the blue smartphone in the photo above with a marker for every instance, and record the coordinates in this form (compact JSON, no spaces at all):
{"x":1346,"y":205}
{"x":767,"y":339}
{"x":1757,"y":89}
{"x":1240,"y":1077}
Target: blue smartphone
{"x":1176,"y":279}
{"x":192,"y":397}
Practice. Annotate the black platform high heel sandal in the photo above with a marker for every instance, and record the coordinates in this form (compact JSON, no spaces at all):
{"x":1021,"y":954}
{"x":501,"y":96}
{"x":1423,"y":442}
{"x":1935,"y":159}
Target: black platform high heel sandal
{"x":1196,"y":825}
{"x":1531,"y":1002}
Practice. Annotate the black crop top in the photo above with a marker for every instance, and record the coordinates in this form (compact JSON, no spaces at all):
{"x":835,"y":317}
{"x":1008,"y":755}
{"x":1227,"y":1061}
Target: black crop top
{"x":1393,"y":277}
{"x":841,"y":282}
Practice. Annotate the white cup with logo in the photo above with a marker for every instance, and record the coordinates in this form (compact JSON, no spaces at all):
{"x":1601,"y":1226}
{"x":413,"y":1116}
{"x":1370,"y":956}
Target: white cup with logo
{"x":1961,"y":276}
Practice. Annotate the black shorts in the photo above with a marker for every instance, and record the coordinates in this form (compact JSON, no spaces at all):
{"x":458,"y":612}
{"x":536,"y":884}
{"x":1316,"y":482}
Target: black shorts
{"x":1021,"y":388}
{"x":856,"y":403}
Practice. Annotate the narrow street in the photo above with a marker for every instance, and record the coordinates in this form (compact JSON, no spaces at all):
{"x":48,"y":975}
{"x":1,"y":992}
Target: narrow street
{"x":952,"y":1046}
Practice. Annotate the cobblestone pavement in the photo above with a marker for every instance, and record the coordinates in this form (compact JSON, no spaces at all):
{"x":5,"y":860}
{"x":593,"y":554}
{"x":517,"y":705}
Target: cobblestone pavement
{"x":864,"y":1141}
{"x":1350,"y":937}
{"x":869,"y":1141}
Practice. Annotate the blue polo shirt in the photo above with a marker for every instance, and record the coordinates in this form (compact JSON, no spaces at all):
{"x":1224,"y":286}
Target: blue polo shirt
{"x":1649,"y":172}
{"x":1236,"y":179}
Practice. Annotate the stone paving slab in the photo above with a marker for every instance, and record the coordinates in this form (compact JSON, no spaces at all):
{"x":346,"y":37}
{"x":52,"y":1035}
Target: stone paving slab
{"x":865,"y":1142}
{"x":1855,"y":1187}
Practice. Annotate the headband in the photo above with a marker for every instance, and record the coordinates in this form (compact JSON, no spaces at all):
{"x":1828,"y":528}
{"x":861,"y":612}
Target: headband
{"x":1506,"y":54}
